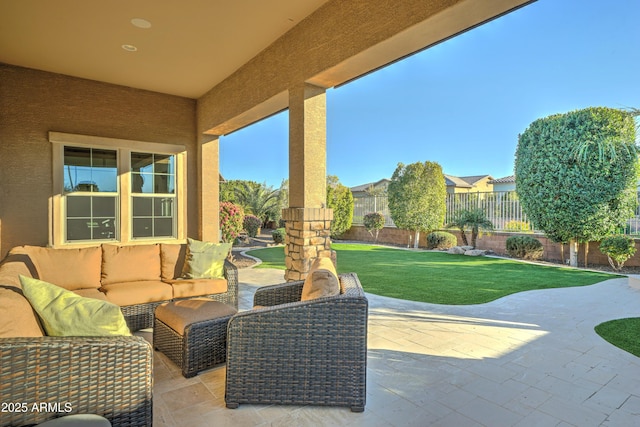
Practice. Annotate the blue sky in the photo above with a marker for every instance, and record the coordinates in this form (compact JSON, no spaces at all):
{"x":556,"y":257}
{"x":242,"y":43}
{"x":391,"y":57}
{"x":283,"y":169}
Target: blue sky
{"x":463,"y":102}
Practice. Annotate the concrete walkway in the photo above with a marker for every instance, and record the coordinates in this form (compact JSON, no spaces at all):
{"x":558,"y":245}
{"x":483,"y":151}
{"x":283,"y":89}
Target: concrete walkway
{"x":529,"y":359}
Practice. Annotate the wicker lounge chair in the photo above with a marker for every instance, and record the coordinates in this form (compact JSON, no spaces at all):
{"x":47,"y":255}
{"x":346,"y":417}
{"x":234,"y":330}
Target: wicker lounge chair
{"x":303,"y":353}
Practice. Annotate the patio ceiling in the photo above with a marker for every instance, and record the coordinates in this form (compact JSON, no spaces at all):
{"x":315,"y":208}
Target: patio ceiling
{"x":185,"y":52}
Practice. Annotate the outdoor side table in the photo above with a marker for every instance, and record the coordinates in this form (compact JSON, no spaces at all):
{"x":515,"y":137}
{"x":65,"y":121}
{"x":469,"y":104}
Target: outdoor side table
{"x":192,"y":333}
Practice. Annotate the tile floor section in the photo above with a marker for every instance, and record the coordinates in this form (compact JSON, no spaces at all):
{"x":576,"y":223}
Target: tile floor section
{"x":530,"y":359}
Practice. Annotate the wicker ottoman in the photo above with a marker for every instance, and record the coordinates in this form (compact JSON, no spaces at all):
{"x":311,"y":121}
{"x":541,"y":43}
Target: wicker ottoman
{"x":192,"y":333}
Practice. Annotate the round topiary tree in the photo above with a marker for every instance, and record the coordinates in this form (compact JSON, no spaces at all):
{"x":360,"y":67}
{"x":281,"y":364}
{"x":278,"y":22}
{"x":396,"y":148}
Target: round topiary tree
{"x":417,"y":195}
{"x":618,"y":250}
{"x":576,"y":174}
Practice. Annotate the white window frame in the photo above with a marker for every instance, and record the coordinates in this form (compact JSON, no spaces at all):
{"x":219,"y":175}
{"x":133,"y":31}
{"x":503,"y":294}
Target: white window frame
{"x":124,"y":147}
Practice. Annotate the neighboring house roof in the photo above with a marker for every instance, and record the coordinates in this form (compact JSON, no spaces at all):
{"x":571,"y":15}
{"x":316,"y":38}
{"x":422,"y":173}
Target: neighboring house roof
{"x":504,"y":180}
{"x":365,"y":187}
{"x":456,"y":181}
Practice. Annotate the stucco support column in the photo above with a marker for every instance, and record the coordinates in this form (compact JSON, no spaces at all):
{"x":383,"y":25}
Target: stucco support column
{"x":308,"y":222}
{"x":209,"y":188}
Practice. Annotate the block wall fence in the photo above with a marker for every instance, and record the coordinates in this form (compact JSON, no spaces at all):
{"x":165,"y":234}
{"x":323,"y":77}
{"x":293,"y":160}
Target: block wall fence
{"x":495,"y":241}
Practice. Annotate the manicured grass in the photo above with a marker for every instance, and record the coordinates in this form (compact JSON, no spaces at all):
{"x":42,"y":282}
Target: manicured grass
{"x":623,"y":333}
{"x":442,"y":278}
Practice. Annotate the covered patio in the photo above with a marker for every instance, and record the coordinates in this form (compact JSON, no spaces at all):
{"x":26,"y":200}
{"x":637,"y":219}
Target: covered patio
{"x":529,"y":359}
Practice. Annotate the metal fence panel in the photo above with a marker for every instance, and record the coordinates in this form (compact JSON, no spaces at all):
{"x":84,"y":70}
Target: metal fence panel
{"x":502,"y":208}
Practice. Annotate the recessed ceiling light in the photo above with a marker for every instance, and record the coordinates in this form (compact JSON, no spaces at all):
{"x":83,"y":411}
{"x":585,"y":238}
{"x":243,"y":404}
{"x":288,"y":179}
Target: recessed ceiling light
{"x":141,"y":23}
{"x":129,"y":47}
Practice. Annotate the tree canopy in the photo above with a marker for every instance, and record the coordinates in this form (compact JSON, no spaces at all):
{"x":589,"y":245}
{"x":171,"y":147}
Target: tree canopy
{"x":576,"y":173}
{"x":340,"y":199}
{"x":416,"y":197}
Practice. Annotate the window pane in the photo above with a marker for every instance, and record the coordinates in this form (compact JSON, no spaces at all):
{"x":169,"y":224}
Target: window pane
{"x":163,"y":184}
{"x":163,"y":227}
{"x":163,"y":206}
{"x":163,"y":164}
{"x":142,"y":162}
{"x":104,"y":207}
{"x":78,"y":229}
{"x":91,"y":170}
{"x":78,"y":206}
{"x":142,"y":227}
{"x":142,"y":206}
{"x":142,"y":183}
{"x":104,"y":228}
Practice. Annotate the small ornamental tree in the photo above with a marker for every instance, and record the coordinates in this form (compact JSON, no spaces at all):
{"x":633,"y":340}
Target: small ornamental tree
{"x":373,"y":223}
{"x":576,"y":174}
{"x":340,"y":199}
{"x":416,"y":196}
{"x":251,"y":224}
{"x":618,"y":250}
{"x":231,"y":217}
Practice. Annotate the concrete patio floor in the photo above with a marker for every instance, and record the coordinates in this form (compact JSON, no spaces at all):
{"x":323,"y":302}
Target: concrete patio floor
{"x":529,"y":359}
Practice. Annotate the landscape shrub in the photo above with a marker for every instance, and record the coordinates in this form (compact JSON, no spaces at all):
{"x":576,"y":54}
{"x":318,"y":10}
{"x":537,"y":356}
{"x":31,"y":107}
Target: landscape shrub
{"x":252,"y":224}
{"x":373,"y":222}
{"x":278,"y":235}
{"x":441,"y":240}
{"x":525,"y":247}
{"x":231,"y":216}
{"x":618,"y":250}
{"x":520,"y":226}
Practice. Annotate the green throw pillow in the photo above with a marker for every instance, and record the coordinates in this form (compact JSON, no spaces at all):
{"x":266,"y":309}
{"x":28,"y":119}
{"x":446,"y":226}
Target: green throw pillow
{"x":66,"y":314}
{"x":205,"y":260}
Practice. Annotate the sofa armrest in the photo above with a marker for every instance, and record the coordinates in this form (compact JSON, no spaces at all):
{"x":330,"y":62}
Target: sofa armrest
{"x":283,"y":293}
{"x":231,"y":274}
{"x":110,"y":376}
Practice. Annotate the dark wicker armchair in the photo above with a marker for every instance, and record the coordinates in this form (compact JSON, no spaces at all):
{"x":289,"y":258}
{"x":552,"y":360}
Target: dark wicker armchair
{"x":304,"y":353}
{"x":47,"y":377}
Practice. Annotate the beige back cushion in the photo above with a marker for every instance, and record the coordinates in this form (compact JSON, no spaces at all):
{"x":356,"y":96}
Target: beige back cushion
{"x":18,"y":318}
{"x":172,"y":256}
{"x":70,"y":269}
{"x":322,"y":280}
{"x":130,"y":263}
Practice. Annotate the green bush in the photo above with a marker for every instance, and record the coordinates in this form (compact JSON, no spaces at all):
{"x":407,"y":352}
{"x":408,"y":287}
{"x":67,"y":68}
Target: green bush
{"x":373,"y":223}
{"x":525,"y":247}
{"x":251,"y":225}
{"x":441,"y":240}
{"x":618,"y":250}
{"x":520,"y":226}
{"x":278,"y":235}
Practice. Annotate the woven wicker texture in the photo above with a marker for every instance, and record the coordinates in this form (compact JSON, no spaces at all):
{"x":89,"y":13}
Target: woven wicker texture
{"x":304,"y":353}
{"x":110,"y":376}
{"x":201,"y":346}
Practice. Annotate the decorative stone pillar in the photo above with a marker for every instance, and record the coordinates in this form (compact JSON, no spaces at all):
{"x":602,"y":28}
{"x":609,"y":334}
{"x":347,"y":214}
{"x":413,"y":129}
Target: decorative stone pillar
{"x":308,"y":237}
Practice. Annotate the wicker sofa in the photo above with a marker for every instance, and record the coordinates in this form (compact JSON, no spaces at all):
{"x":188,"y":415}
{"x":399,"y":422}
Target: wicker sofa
{"x":108,"y":376}
{"x":288,"y":351}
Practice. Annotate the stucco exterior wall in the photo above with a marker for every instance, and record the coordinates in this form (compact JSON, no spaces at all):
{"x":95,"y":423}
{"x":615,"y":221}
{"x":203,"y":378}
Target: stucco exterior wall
{"x":33,"y":103}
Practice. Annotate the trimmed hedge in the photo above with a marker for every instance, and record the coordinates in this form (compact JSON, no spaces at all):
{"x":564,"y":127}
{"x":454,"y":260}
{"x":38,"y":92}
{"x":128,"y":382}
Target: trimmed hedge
{"x":441,"y":240}
{"x":525,"y":247}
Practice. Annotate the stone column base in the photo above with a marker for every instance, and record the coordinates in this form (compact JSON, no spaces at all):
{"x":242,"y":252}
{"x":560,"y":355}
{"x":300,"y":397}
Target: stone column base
{"x":308,"y":237}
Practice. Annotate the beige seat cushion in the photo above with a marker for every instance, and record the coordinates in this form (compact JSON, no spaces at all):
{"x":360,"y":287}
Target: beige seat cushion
{"x":180,"y":314}
{"x":141,"y":292}
{"x":185,"y":288}
{"x":91,"y":293}
{"x":70,"y":269}
{"x":130,"y":263}
{"x":172,"y":257}
{"x":322,"y":280}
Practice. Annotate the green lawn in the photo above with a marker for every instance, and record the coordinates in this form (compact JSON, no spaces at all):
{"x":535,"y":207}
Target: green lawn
{"x":441,"y":278}
{"x":623,"y":333}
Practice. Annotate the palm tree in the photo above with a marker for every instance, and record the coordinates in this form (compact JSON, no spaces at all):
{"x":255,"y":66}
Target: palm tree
{"x":258,"y":200}
{"x":475,"y":219}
